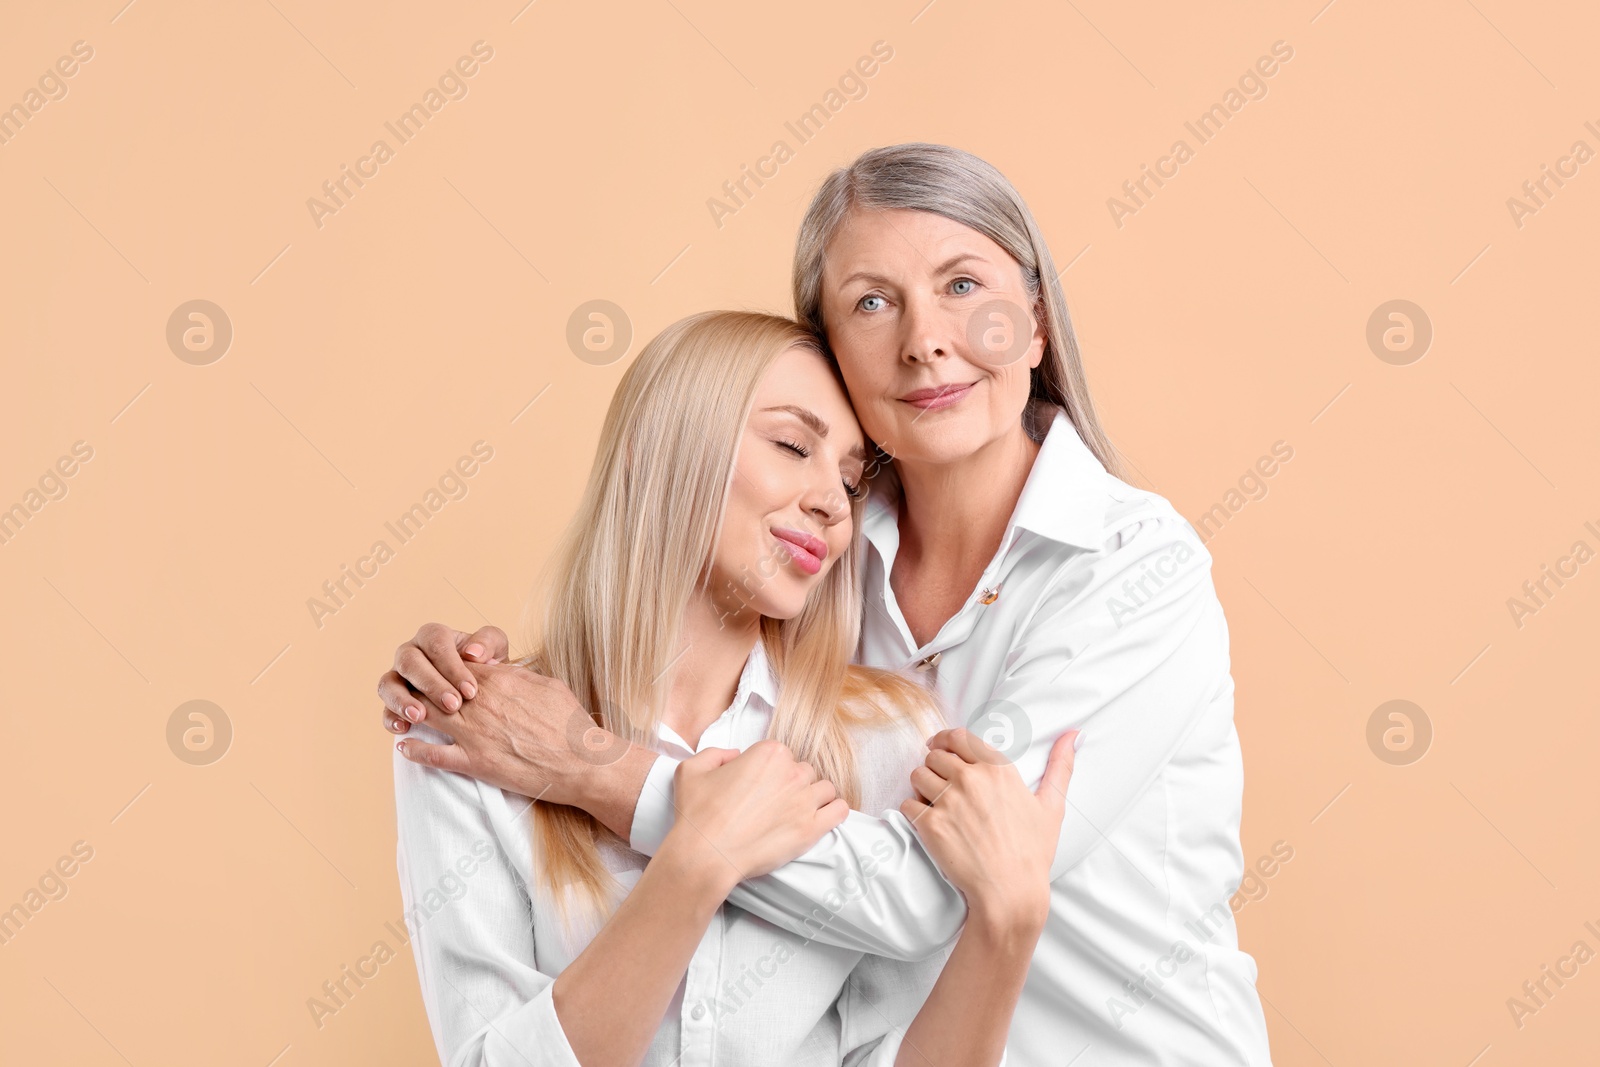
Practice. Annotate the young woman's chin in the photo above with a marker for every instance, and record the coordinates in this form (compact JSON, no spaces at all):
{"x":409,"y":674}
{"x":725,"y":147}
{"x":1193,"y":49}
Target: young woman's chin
{"x":785,"y":596}
{"x":787,"y":604}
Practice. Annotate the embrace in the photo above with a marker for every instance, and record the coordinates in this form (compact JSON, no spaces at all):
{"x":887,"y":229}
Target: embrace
{"x":873,"y":718}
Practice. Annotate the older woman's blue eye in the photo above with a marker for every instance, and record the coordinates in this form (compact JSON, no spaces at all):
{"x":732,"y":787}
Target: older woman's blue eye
{"x":865,"y":299}
{"x":960,"y":282}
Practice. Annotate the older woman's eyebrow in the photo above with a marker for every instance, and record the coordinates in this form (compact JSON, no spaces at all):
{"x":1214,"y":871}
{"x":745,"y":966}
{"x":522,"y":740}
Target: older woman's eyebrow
{"x":956,"y":260}
{"x":815,"y":424}
{"x":862,"y":276}
{"x":944,"y":268}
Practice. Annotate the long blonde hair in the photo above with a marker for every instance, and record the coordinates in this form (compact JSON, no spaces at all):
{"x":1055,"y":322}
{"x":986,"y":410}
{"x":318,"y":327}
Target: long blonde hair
{"x":963,"y":188}
{"x":639,"y":550}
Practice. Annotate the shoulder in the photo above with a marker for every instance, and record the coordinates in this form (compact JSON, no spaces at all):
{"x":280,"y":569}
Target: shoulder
{"x":441,"y":812}
{"x":418,"y":784}
{"x":1146,"y":564}
{"x":1130,"y":513}
{"x":1137,"y":527}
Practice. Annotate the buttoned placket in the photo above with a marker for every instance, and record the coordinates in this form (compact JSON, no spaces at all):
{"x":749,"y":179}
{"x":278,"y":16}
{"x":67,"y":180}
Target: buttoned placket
{"x":699,"y":1019}
{"x":702,"y":1012}
{"x":924,"y":661}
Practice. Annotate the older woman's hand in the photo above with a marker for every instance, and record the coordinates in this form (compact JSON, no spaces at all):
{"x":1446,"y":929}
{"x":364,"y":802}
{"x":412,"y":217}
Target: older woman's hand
{"x":991,"y":837}
{"x":430,"y":676}
{"x":523,"y":732}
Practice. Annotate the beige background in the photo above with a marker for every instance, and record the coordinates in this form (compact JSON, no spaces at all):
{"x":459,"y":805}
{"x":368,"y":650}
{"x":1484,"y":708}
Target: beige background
{"x":1227,"y":314}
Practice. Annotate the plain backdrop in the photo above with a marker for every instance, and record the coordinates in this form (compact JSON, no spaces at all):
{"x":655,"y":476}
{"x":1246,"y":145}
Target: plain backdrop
{"x":1222,"y":314}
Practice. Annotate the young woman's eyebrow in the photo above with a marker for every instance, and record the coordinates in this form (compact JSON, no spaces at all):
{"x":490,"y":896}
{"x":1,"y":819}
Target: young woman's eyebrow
{"x":815,"y":424}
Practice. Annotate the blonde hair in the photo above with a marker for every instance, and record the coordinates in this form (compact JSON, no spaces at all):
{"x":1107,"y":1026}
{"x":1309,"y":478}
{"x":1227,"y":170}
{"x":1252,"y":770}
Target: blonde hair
{"x":963,"y":188}
{"x":613,"y":619}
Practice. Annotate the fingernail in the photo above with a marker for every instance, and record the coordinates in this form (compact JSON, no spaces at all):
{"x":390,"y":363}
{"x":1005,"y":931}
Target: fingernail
{"x":412,"y":714}
{"x":469,"y":690}
{"x":400,"y":747}
{"x":475,"y":651}
{"x":451,"y":702}
{"x":395,"y":726}
{"x":1077,"y":742}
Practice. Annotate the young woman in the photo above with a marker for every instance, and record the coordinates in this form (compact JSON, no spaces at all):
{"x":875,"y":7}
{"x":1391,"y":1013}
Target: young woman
{"x":713,"y":558}
{"x":1035,"y":590}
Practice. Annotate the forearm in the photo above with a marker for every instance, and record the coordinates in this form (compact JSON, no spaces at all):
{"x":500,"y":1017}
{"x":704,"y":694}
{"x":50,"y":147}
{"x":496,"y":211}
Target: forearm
{"x":611,"y":792}
{"x":868,"y":885}
{"x":967,"y":1016}
{"x":611,"y":999}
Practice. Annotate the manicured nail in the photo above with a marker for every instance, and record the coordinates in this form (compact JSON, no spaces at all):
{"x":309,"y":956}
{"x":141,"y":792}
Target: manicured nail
{"x":395,"y":726}
{"x":451,"y":702}
{"x":400,"y":747}
{"x":469,"y":690}
{"x":412,"y":714}
{"x":1077,"y":742}
{"x":475,"y":651}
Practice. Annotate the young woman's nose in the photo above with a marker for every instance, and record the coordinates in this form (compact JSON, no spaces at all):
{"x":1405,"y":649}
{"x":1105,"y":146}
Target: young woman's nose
{"x":825,"y":501}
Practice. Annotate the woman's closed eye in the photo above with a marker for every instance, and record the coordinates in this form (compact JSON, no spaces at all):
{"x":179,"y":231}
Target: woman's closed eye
{"x":853,"y":491}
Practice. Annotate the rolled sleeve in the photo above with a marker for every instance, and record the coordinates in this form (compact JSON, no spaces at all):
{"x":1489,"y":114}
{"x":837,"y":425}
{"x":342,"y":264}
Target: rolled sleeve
{"x":867,"y":885}
{"x":882,"y":1052}
{"x":879,"y":1002}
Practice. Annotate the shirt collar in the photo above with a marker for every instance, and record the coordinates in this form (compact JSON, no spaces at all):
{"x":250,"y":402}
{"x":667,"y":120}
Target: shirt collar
{"x":758,"y":678}
{"x":758,"y":684}
{"x":1063,"y":499}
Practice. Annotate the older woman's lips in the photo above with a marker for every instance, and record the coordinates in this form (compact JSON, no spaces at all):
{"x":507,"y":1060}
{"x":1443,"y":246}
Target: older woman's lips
{"x":939,"y":396}
{"x":807,"y":551}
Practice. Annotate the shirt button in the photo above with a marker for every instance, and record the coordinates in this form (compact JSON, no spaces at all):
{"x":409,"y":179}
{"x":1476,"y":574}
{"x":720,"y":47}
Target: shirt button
{"x":698,"y":1012}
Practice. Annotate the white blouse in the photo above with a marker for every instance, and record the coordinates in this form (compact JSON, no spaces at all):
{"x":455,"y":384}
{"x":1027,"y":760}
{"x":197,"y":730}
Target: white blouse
{"x":1097,"y":613}
{"x":488,"y":944}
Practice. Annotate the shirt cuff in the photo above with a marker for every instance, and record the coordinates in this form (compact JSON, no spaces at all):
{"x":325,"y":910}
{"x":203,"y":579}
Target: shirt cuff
{"x":885,"y":1050}
{"x":657,"y":808}
{"x":534,"y":1029}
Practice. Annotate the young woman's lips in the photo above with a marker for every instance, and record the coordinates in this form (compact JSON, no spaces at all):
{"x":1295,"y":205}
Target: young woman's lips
{"x":938,"y":396}
{"x":807,"y":552}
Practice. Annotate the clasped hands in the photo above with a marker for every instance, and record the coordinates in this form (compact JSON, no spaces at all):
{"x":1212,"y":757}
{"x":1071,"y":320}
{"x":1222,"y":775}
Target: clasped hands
{"x":527,"y":733}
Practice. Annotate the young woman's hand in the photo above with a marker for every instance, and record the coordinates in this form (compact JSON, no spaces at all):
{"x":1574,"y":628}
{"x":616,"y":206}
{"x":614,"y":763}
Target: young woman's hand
{"x":430,"y":675}
{"x":992,"y":838}
{"x":746,"y":814}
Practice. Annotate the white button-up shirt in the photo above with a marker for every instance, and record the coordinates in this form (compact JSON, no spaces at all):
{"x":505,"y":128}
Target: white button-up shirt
{"x":1097,"y":613}
{"x":488,"y":941}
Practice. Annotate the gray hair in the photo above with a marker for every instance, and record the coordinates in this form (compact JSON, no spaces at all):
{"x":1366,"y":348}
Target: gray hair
{"x":963,"y":188}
